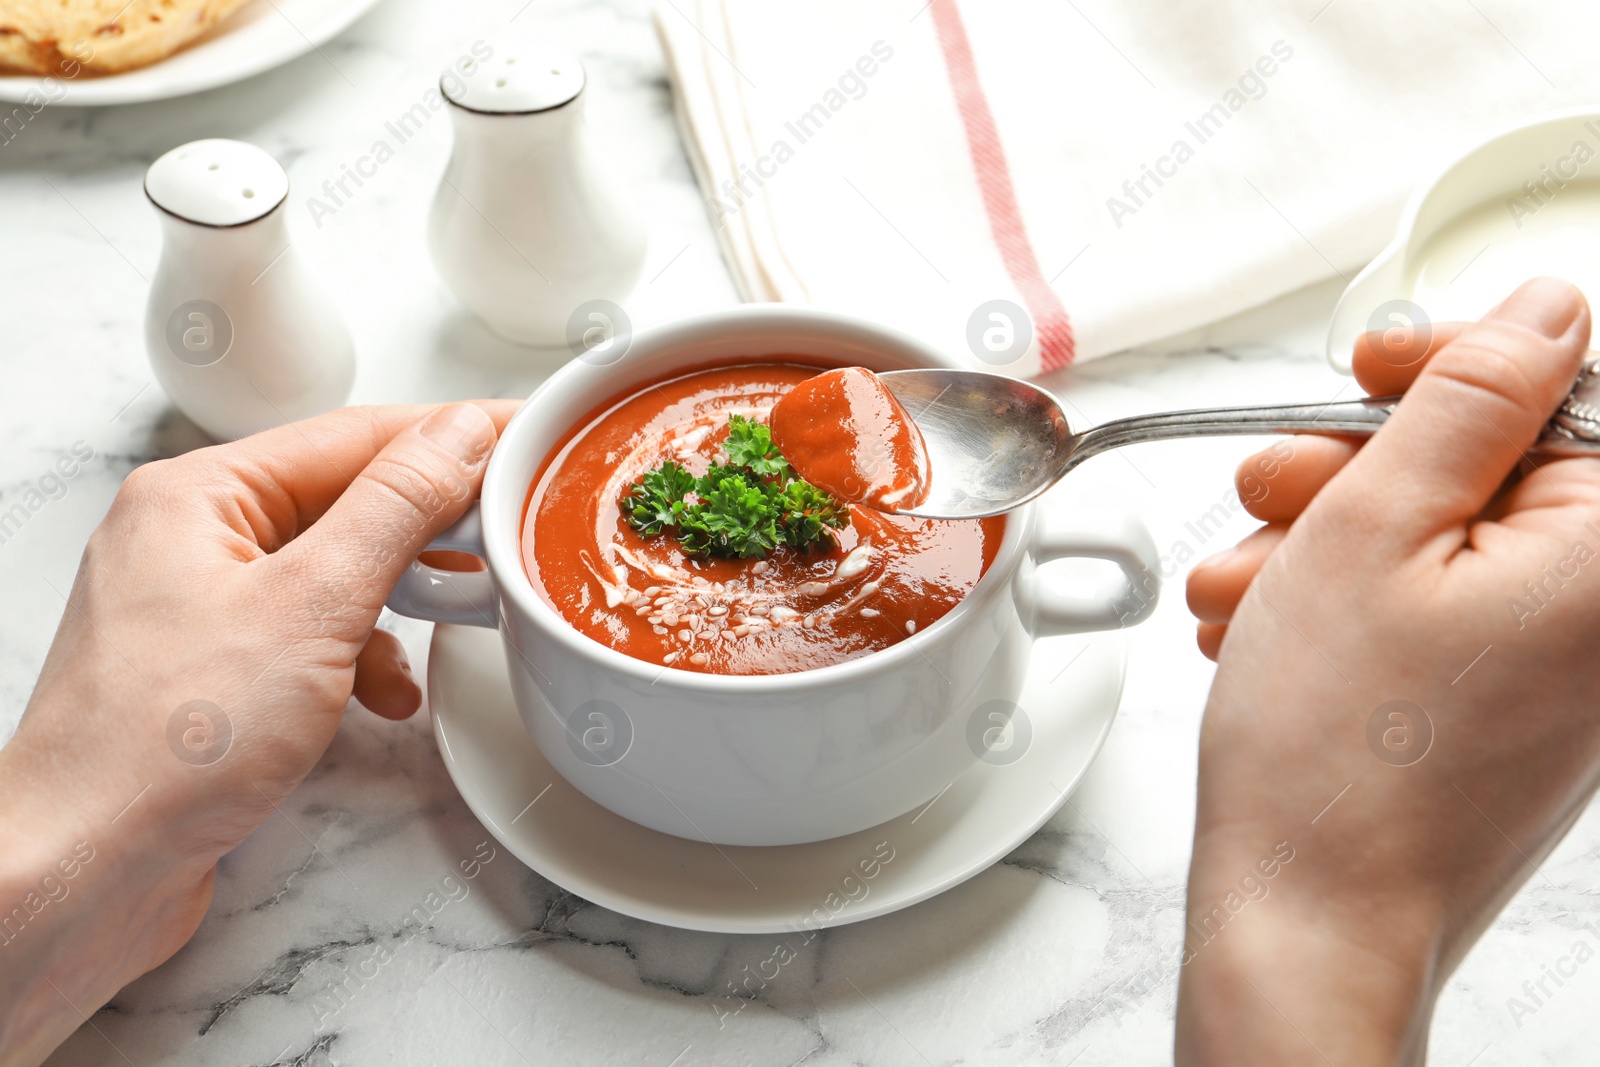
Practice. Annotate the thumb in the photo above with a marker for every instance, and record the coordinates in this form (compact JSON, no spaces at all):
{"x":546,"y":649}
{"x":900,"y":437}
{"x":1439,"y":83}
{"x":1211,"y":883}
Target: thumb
{"x":422,"y":481}
{"x":1470,"y":417}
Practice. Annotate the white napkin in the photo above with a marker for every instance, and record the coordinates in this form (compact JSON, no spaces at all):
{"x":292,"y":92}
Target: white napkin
{"x":1121,"y":169}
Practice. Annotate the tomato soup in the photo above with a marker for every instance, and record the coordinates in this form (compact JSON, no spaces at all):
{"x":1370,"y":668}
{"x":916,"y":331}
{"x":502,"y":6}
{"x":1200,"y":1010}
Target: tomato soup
{"x":869,"y":584}
{"x":845,"y":433}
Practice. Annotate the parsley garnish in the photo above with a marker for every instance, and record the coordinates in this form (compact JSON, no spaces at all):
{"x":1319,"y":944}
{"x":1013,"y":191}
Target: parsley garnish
{"x":744,"y":508}
{"x":749,"y":445}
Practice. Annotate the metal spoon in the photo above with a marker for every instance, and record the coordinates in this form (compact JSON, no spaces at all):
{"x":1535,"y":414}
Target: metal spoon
{"x":995,"y":443}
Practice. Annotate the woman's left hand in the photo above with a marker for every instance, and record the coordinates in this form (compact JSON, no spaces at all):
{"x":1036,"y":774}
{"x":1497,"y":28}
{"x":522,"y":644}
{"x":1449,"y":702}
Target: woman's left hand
{"x":221,"y":620}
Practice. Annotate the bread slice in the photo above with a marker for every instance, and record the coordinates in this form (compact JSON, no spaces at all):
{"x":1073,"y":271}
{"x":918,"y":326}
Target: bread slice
{"x":73,"y":37}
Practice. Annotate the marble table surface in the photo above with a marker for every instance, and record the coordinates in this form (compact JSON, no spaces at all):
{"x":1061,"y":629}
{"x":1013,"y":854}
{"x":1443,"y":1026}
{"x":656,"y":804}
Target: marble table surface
{"x":1059,"y":954}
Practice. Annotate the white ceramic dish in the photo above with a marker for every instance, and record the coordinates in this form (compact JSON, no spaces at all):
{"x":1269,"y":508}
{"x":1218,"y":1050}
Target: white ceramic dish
{"x":256,"y":38}
{"x":772,"y":759}
{"x":1071,"y":696}
{"x":1523,"y":203}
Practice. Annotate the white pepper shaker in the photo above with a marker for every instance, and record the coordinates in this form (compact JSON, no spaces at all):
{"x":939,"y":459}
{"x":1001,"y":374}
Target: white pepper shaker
{"x":528,"y":228}
{"x":239,"y":333}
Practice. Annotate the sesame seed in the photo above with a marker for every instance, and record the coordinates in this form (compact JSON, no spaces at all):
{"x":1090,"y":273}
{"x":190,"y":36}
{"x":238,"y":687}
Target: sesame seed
{"x":684,"y":635}
{"x":699,"y":659}
{"x":659,"y":629}
{"x":654,"y":590}
{"x":719,"y":609}
{"x":870,"y":613}
{"x":670,"y":658}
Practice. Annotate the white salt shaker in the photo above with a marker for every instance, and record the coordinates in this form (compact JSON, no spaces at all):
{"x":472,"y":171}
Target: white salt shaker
{"x":527,"y":226}
{"x":239,"y":333}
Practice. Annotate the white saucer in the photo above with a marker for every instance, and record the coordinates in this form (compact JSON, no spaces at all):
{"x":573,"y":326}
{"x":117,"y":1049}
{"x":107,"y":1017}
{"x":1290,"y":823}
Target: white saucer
{"x":1070,"y":699}
{"x":257,"y":37}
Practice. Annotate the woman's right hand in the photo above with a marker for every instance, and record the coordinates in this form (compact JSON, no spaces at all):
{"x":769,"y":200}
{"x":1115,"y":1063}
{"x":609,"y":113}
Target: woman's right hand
{"x":1407,"y":703}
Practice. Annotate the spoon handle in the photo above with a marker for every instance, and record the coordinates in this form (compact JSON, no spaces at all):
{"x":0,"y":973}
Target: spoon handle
{"x":1574,"y":431}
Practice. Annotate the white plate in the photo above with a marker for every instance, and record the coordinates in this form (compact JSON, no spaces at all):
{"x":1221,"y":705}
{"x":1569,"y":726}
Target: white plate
{"x":1070,"y":699}
{"x":257,"y":37}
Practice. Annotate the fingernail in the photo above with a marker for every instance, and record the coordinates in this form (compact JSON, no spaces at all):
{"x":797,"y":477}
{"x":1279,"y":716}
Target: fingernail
{"x":461,"y":429}
{"x":1548,"y":305}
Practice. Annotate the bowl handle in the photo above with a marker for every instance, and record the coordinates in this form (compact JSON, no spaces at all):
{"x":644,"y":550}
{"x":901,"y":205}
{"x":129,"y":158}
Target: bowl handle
{"x":1125,"y":542}
{"x":462,"y":597}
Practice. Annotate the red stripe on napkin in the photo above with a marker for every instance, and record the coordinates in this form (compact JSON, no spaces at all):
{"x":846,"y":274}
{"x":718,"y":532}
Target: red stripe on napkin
{"x":1050,"y":320}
